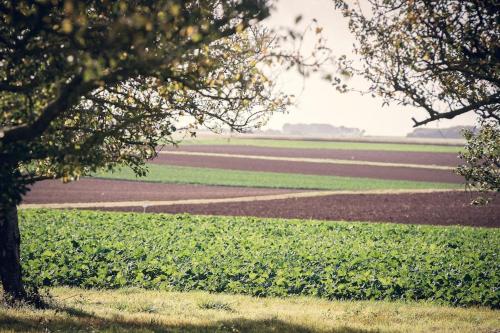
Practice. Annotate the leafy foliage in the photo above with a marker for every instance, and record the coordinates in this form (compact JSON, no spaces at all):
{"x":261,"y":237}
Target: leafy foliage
{"x":441,"y":56}
{"x":95,"y":84}
{"x":481,"y":158}
{"x":336,"y":260}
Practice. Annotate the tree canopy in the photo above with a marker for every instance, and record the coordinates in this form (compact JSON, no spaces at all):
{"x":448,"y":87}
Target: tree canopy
{"x":97,"y":84}
{"x":441,"y":56}
{"x":88,"y":84}
{"x":481,"y":158}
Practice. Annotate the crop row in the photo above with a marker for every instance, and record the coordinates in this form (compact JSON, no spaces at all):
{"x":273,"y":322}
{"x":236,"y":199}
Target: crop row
{"x":212,"y":176}
{"x":320,"y":144}
{"x":263,"y":257}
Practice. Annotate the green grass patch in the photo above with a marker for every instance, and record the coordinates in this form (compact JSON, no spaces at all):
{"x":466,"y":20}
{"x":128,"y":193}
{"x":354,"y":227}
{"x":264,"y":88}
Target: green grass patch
{"x":137,"y":310}
{"x":208,"y":176}
{"x":274,"y":143}
{"x":262,"y":257}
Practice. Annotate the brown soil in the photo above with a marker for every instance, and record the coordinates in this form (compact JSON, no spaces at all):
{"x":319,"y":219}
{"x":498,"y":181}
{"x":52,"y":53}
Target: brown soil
{"x":449,"y":208}
{"x":234,"y":163}
{"x":101,"y":190}
{"x":449,"y":159}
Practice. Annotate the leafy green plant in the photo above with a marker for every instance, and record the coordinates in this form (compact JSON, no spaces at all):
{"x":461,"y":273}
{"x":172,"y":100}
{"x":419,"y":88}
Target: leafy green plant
{"x":262,"y":257}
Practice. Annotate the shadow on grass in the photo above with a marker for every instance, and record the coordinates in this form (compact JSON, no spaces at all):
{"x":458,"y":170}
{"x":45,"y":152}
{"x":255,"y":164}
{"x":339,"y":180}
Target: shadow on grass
{"x":76,"y":320}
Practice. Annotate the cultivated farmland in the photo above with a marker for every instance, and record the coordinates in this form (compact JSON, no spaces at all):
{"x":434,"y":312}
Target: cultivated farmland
{"x":140,"y":190}
{"x":334,"y":260}
{"x":358,"y":181}
{"x":258,"y":218}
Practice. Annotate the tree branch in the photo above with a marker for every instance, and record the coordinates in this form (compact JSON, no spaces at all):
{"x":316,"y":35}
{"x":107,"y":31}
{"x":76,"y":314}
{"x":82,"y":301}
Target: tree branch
{"x":457,"y":112}
{"x":66,"y":97}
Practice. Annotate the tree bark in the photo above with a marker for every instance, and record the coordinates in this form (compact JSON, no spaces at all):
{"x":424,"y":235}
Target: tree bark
{"x":10,"y":263}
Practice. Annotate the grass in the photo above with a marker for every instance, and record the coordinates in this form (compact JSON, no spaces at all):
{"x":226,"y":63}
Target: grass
{"x":261,"y":257}
{"x":136,"y":310}
{"x":208,"y":176}
{"x":327,"y":145}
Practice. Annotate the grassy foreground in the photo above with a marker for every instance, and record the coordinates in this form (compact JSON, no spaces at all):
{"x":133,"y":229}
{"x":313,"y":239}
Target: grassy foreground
{"x":208,"y":176}
{"x":262,"y":257}
{"x":309,"y":144}
{"x":135,"y":310}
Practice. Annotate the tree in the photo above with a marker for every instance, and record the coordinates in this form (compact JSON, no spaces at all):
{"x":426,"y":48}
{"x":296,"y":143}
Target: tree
{"x":481,"y":156}
{"x":442,"y":56}
{"x":97,"y":84}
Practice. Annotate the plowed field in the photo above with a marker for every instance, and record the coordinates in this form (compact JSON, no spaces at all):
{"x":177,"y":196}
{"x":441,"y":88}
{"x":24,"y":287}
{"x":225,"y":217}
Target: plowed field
{"x":449,"y":159}
{"x":344,"y":170}
{"x":439,"y":208}
{"x":449,"y":208}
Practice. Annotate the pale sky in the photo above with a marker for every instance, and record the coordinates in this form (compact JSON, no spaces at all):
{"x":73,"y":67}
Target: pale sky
{"x":319,"y":102}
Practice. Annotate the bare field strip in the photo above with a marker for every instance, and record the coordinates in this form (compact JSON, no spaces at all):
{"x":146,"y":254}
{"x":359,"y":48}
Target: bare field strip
{"x":312,"y":160}
{"x":90,"y":190}
{"x":270,"y":197}
{"x":440,"y":208}
{"x":324,"y":169}
{"x":442,"y":159}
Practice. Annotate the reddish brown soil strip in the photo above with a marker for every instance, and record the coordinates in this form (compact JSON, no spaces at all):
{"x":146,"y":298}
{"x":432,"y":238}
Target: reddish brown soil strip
{"x":310,"y":160}
{"x":449,"y":159}
{"x":447,"y":208}
{"x":233,"y":163}
{"x":101,"y":190}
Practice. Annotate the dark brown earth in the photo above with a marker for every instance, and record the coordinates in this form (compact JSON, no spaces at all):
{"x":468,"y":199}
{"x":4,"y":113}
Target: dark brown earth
{"x":449,"y":159}
{"x":450,"y":208}
{"x":395,"y":173}
{"x":101,"y":190}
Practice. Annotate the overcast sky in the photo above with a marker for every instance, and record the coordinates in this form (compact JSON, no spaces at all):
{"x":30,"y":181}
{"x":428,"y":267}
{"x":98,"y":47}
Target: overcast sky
{"x":318,"y":101}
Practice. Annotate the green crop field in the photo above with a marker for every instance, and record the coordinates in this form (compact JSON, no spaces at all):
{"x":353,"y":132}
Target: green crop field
{"x":309,"y":144}
{"x":208,"y":176}
{"x":262,"y":257}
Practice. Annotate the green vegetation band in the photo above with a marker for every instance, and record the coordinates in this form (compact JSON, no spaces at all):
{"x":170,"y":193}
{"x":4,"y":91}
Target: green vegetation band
{"x":263,"y":257}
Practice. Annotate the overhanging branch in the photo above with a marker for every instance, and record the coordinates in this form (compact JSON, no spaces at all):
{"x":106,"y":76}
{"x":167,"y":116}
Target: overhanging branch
{"x":494,"y":100}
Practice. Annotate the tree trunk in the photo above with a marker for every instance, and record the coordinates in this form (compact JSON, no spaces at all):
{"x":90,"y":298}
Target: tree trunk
{"x":10,"y":264}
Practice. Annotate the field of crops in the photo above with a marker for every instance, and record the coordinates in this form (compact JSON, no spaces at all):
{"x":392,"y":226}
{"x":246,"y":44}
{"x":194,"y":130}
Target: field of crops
{"x":335,"y":260}
{"x":320,"y":144}
{"x":326,"y":180}
{"x":216,"y":222}
{"x":145,"y":186}
{"x":211,"y":176}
